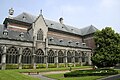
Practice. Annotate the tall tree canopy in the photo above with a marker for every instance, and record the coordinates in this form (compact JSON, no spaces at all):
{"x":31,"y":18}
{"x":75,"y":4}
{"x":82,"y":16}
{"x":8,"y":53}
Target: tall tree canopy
{"x":107,"y":52}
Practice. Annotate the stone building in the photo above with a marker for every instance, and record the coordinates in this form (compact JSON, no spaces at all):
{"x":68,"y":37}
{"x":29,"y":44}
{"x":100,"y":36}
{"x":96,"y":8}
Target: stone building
{"x":30,"y":40}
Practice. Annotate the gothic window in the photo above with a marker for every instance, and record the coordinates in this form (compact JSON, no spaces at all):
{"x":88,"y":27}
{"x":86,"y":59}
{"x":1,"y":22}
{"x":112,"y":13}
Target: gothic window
{"x":39,"y":56}
{"x":69,"y":57}
{"x":1,"y":54}
{"x":83,"y":57}
{"x":40,"y":35}
{"x":60,"y":57}
{"x":26,"y":56}
{"x":77,"y":55}
{"x":12,"y":55}
{"x":51,"y":56}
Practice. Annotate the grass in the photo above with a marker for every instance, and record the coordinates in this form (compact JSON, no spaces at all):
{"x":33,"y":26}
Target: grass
{"x":61,"y":77}
{"x":15,"y":74}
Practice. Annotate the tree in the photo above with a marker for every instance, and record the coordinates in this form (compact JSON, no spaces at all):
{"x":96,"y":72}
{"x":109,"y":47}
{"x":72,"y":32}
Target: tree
{"x":107,"y":51}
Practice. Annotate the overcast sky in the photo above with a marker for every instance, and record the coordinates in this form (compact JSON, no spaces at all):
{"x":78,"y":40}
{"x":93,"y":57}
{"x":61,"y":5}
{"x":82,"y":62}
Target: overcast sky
{"x":78,"y":13}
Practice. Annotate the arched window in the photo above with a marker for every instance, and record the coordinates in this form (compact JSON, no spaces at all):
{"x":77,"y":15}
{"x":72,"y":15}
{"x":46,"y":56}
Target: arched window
{"x":12,"y":55}
{"x":83,"y":57}
{"x":51,"y":56}
{"x":39,"y":56}
{"x":77,"y":55}
{"x":26,"y":56}
{"x":1,"y":51}
{"x":40,"y":35}
{"x":60,"y":57}
{"x":69,"y":57}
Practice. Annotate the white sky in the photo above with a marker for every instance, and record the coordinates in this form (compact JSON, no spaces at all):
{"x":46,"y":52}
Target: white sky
{"x":78,"y":13}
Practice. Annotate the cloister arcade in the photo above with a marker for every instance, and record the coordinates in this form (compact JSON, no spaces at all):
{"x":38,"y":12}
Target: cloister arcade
{"x":25,"y":55}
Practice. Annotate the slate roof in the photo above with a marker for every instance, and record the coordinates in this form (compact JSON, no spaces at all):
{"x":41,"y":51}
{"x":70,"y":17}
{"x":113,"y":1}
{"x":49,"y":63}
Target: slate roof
{"x":28,"y":18}
{"x":66,"y":43}
{"x":56,"y":25}
{"x":15,"y":35}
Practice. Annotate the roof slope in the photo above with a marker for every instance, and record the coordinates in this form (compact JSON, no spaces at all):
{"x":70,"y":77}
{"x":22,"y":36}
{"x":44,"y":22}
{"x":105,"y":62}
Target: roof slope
{"x":26,"y":17}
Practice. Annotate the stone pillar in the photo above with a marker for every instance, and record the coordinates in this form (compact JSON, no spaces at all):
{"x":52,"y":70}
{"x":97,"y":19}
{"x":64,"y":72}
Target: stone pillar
{"x":33,"y":58}
{"x":46,"y":58}
{"x":56,"y":58}
{"x":65,"y":59}
{"x":20,"y":58}
{"x":89,"y":58}
{"x":73,"y":58}
{"x":46,"y":54}
{"x":4,"y":58}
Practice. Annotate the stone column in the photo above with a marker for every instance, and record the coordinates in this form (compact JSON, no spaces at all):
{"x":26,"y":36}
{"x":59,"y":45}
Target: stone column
{"x":20,"y":58}
{"x":56,"y":58}
{"x":46,"y":54}
{"x":65,"y":59}
{"x":4,"y":58}
{"x":33,"y":59}
{"x":89,"y":58}
{"x":73,"y":58}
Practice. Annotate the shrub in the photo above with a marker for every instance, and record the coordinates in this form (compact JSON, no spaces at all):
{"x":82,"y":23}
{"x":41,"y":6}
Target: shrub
{"x":52,"y":65}
{"x":27,"y":66}
{"x":61,"y":65}
{"x":11,"y":66}
{"x":97,"y":72}
{"x":38,"y":66}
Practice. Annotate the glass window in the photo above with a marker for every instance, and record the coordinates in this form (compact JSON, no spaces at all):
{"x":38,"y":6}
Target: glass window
{"x":40,"y":35}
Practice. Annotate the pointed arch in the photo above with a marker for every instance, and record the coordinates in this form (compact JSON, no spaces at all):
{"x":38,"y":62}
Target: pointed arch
{"x":26,"y":56}
{"x":60,"y":56}
{"x":77,"y":55}
{"x":51,"y":56}
{"x":12,"y":55}
{"x":39,"y":56}
{"x":69,"y":57}
{"x":40,"y":34}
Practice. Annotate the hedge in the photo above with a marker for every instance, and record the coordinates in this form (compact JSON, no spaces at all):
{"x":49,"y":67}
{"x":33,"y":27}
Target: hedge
{"x":97,"y":72}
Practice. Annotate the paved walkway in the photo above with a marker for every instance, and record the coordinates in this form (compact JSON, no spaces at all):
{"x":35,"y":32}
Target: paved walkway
{"x":113,"y":77}
{"x":40,"y":75}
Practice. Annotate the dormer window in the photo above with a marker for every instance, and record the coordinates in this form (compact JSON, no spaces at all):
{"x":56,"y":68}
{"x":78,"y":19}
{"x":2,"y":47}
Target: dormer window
{"x":5,"y":32}
{"x":40,"y":35}
{"x":51,"y":39}
{"x":21,"y":35}
{"x":84,"y":44}
{"x":69,"y":41}
{"x":61,"y":40}
{"x":77,"y":43}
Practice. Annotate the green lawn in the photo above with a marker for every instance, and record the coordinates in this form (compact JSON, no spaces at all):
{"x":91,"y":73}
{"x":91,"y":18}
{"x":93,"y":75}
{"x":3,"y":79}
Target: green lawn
{"x":15,"y":74}
{"x":61,"y":77}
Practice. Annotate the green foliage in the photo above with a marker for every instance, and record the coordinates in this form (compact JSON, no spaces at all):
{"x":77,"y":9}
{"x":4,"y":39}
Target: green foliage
{"x":61,"y":77}
{"x":97,"y":72}
{"x":27,"y":66}
{"x":11,"y":66}
{"x":52,"y":65}
{"x":61,"y":65}
{"x":38,"y":66}
{"x":107,"y":52}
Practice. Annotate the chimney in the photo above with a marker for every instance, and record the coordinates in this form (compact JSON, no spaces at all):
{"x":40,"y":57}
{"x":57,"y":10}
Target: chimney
{"x":61,"y":20}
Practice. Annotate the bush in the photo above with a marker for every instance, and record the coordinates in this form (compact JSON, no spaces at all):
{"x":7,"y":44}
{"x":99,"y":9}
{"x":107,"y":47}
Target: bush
{"x":52,"y":65}
{"x":38,"y":66}
{"x":11,"y":66}
{"x":97,"y":72}
{"x":61,"y":65}
{"x":27,"y":66}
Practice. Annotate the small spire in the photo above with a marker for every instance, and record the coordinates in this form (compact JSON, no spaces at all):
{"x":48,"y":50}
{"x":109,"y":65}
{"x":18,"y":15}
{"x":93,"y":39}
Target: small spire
{"x":41,"y":11}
